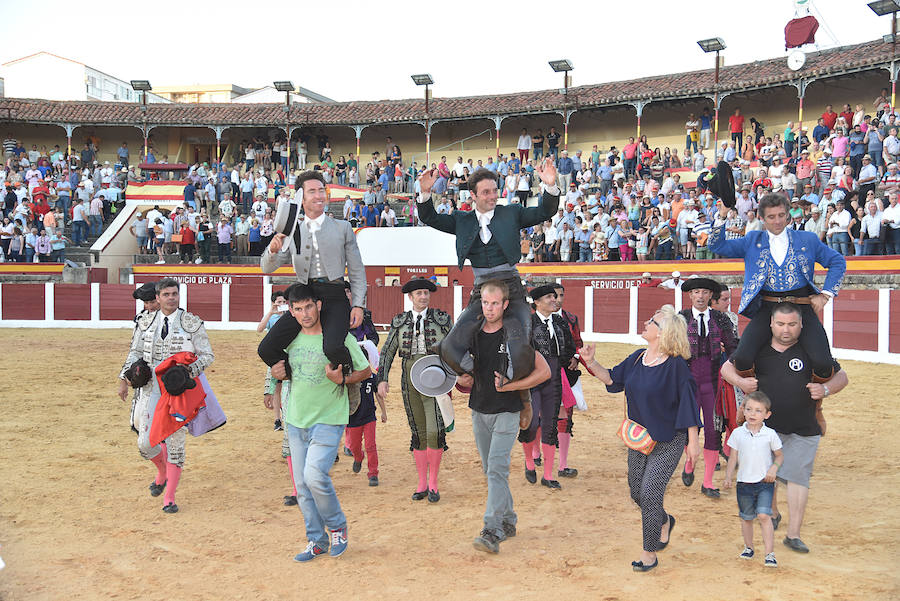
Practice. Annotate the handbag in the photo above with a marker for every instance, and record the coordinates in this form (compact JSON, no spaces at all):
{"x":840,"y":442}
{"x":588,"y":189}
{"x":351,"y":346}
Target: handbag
{"x":634,"y":435}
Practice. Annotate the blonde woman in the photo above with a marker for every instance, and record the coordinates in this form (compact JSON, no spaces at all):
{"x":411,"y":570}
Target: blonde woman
{"x":660,"y":395}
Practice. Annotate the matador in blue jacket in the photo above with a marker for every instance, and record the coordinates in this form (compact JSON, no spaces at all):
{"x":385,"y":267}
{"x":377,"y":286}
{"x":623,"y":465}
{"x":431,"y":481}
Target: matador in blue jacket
{"x":779,"y":266}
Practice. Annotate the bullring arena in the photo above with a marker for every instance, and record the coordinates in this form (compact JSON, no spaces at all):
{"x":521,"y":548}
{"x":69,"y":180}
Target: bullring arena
{"x":76,"y":521}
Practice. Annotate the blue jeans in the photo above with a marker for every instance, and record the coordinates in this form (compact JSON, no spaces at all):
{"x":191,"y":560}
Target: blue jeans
{"x":585,"y":252}
{"x":312,"y":454}
{"x":688,"y":143}
{"x":66,"y":202}
{"x":96,"y":224}
{"x":79,"y":232}
{"x":754,"y":498}
{"x":538,"y":153}
{"x":892,"y":241}
{"x":871,"y":246}
{"x":840,"y":241}
{"x":495,"y":436}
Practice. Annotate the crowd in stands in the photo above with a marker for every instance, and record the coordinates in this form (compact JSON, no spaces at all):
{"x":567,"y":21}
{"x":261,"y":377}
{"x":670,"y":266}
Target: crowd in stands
{"x":622,"y":204}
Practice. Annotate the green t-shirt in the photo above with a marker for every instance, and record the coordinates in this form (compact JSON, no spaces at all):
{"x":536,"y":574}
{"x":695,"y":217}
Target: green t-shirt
{"x":314,"y":398}
{"x":352,"y":163}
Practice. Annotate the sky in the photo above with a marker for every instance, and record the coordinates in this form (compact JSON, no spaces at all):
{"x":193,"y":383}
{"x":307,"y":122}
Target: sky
{"x":357,"y":52}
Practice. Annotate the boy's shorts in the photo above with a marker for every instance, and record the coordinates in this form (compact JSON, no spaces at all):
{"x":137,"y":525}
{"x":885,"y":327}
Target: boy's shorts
{"x":754,"y":498}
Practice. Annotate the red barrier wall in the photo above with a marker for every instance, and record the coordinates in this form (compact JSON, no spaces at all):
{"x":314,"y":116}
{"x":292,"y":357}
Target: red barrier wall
{"x":206,"y":301}
{"x":116,"y":302}
{"x":611,"y":311}
{"x":856,"y":320}
{"x":23,"y":301}
{"x":72,"y":301}
{"x":245,"y":301}
{"x":894,"y":331}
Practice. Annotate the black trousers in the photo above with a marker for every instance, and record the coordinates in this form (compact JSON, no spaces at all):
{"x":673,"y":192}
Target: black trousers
{"x":335,"y":319}
{"x":759,"y":333}
{"x":454,"y":348}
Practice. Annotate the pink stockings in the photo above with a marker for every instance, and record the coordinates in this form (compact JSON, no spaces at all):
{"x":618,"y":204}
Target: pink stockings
{"x":428,"y":464}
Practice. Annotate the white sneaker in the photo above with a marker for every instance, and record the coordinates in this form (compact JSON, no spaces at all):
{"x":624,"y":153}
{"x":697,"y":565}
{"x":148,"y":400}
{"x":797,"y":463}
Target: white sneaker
{"x":161,"y":262}
{"x":770,"y":561}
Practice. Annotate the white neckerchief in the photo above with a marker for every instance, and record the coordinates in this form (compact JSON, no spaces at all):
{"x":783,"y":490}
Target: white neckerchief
{"x":314,"y":225}
{"x":484,"y":219}
{"x":778,"y":246}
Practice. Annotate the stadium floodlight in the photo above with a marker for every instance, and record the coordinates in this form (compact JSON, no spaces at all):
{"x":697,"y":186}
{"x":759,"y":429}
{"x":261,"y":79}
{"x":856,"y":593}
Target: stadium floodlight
{"x":141,"y":85}
{"x":561,"y":65}
{"x":884,"y":7}
{"x":283,"y":86}
{"x":422,"y":79}
{"x":712,"y":45}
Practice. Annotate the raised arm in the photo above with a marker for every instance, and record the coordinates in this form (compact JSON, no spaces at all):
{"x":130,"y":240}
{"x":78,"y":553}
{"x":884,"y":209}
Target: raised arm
{"x":444,"y":223}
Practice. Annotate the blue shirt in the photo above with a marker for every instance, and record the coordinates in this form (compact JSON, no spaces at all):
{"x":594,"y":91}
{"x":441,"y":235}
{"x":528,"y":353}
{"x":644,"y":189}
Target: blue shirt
{"x":820,"y":132}
{"x":729,"y":154}
{"x":384,"y":180}
{"x":704,"y":122}
{"x":662,"y":398}
{"x":503,"y":168}
{"x":515,"y":165}
{"x":605,"y":172}
{"x":492,"y":167}
{"x":564,"y":166}
{"x":440,"y":185}
{"x":857,"y":148}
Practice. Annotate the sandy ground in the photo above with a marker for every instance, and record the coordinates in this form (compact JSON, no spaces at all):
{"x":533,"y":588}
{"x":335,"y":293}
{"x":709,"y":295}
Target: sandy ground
{"x":77,"y":521}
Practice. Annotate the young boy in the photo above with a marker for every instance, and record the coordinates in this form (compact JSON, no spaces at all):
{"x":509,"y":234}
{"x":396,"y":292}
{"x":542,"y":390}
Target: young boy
{"x":362,"y":425}
{"x":753,"y":446}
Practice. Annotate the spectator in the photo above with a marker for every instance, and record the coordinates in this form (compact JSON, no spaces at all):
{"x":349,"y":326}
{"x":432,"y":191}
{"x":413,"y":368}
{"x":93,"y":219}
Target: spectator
{"x":388,"y":217}
{"x":524,"y":145}
{"x":58,"y":247}
{"x":224,"y":233}
{"x":242,"y":235}
{"x":188,"y":242}
{"x":736,"y":127}
{"x":80,"y":217}
{"x":139,"y":229}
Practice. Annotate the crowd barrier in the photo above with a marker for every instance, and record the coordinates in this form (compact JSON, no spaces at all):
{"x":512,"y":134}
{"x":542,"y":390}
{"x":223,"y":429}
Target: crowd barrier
{"x":858,"y":322}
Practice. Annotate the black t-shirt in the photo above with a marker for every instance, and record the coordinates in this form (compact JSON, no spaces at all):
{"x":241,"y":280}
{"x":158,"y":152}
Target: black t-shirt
{"x":490,"y":356}
{"x":784,"y":376}
{"x":553,"y":140}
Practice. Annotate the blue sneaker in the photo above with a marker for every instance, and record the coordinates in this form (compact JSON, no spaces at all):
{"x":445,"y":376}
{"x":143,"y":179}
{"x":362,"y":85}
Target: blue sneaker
{"x":338,"y":542}
{"x":311,"y":552}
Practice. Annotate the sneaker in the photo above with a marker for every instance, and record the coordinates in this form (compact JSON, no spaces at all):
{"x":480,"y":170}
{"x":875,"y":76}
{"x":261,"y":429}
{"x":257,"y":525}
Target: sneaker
{"x":338,"y":542}
{"x":487,"y":541}
{"x":311,"y":552}
{"x":278,"y":425}
{"x":771,"y":562}
{"x":357,"y":465}
{"x":290,"y":500}
{"x":747,"y":553}
{"x":160,"y":262}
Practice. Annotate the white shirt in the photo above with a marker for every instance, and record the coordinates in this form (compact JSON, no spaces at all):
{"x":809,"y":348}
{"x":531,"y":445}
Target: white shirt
{"x":313,"y":226}
{"x":754,"y":452}
{"x":701,"y":317}
{"x":484,"y":219}
{"x":459,"y":169}
{"x":871,"y":224}
{"x":892,"y":214}
{"x":778,"y":246}
{"x":524,"y":142}
{"x":841,"y":221}
{"x":418,"y":332}
{"x":548,"y":321}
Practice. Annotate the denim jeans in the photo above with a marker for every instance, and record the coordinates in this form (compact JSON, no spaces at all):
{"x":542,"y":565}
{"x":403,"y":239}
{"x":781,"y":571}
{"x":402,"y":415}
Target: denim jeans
{"x":892,"y":241}
{"x":312,"y":454}
{"x":754,"y":498}
{"x":585,"y":252}
{"x":871,"y":246}
{"x":96,"y":224}
{"x":840,"y":241}
{"x":79,"y":232}
{"x":495,"y":435}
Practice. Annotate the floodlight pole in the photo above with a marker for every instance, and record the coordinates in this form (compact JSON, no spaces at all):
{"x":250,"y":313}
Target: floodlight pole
{"x":144,"y":111}
{"x":287,"y":114}
{"x":716,"y":128}
{"x":427,"y":132}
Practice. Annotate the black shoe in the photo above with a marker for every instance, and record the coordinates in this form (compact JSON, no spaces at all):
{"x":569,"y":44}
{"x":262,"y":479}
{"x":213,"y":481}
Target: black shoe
{"x":531,"y":476}
{"x":173,"y":508}
{"x":538,"y":461}
{"x":348,"y":452}
{"x":551,"y":484}
{"x":712,"y":493}
{"x":487,"y":541}
{"x":776,"y":521}
{"x":357,"y":465}
{"x":718,"y":466}
{"x":156,"y":489}
{"x":337,"y":458}
{"x":433,"y":496}
{"x":509,"y":530}
{"x":795,"y":544}
{"x":278,"y":425}
{"x":290,"y":500}
{"x":640,"y":566}
{"x":569,"y":472}
{"x":687,"y":478}
{"x":419,"y":495}
{"x":663,"y":545}
{"x":373,"y":481}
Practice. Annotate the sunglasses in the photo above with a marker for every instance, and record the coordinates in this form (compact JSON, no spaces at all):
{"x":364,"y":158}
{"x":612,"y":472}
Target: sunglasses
{"x":654,"y":322}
